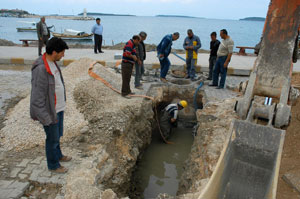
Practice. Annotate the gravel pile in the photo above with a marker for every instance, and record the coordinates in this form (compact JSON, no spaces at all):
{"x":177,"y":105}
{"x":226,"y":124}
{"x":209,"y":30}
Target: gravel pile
{"x":21,"y":132}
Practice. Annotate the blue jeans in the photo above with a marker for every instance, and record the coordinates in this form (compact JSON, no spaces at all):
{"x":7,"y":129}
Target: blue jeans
{"x":164,"y":67}
{"x":219,"y":69}
{"x":191,"y":63}
{"x":53,"y":134}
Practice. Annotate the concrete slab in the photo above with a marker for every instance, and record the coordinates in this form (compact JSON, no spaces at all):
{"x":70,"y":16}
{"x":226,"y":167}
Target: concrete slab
{"x":240,"y":64}
{"x":293,"y":179}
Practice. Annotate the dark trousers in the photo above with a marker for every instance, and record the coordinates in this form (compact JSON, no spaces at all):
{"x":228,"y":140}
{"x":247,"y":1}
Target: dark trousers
{"x":220,"y":70}
{"x":98,"y":43}
{"x":42,"y":42}
{"x":126,"y":76}
{"x":139,"y":70}
{"x":53,"y":134}
{"x":165,"y":124}
{"x":212,"y":63}
{"x":164,"y":67}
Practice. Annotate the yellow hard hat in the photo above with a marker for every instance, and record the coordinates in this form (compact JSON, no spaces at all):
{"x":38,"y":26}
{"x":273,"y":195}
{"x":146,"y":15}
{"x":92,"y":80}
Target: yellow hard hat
{"x":183,"y":103}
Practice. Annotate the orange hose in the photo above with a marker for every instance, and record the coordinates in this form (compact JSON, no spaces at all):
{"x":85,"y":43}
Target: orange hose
{"x":97,"y":77}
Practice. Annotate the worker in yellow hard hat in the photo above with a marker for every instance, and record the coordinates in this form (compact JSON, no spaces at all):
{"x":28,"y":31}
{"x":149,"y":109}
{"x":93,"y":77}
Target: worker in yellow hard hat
{"x":169,"y":117}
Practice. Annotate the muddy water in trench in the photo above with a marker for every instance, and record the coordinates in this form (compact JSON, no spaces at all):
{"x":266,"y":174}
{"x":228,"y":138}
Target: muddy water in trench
{"x":160,"y":168}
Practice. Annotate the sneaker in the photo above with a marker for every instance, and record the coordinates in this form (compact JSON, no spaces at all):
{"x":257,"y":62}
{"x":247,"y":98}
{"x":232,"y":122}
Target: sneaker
{"x":95,"y":52}
{"x":163,"y":80}
{"x":140,"y":87}
{"x":209,"y":78}
{"x":65,"y":159}
{"x":60,"y":169}
{"x":212,"y":85}
{"x":219,"y":87}
{"x":101,"y":51}
{"x":187,"y":77}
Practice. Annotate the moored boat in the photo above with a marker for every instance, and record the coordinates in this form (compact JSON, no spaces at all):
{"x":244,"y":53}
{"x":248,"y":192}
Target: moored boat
{"x":70,"y":34}
{"x":31,"y":28}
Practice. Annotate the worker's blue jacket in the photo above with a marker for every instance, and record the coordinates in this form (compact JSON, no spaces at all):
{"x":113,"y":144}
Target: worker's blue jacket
{"x":164,"y":47}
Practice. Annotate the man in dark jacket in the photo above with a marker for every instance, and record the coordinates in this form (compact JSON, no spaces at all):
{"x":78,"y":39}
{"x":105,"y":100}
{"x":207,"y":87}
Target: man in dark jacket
{"x":163,"y":50}
{"x":214,"y":46}
{"x":139,"y":64}
{"x":48,"y":101}
{"x":43,"y":34}
{"x":128,"y":60}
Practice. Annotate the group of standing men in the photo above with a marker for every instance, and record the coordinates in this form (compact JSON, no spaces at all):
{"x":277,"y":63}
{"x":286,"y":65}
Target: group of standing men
{"x":220,"y":56}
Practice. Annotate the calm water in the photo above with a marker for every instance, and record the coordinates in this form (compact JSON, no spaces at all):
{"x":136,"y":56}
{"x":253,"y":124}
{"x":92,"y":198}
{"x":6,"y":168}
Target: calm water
{"x":120,"y":29}
{"x":161,"y":166}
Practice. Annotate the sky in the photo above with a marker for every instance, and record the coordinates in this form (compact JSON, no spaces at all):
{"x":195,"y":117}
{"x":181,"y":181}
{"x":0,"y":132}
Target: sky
{"x":214,"y":9}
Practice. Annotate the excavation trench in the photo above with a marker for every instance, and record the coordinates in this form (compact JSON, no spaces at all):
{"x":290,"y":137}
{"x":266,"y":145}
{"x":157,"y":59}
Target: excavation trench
{"x":160,"y":166}
{"x":123,"y":137}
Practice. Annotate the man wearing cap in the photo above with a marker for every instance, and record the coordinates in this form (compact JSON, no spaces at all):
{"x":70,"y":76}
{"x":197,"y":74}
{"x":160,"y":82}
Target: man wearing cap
{"x":43,"y":34}
{"x":169,"y":117}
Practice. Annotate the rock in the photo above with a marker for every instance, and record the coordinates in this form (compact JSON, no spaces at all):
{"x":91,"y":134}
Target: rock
{"x":43,"y":191}
{"x":81,"y":182}
{"x":293,"y":179}
{"x":108,"y":194}
{"x":84,"y":130}
{"x":294,"y":94}
{"x":81,"y":139}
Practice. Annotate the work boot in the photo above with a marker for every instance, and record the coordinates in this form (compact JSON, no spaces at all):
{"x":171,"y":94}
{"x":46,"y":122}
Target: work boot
{"x":163,"y":80}
{"x":126,"y":96}
{"x":65,"y":159}
{"x":60,"y":170}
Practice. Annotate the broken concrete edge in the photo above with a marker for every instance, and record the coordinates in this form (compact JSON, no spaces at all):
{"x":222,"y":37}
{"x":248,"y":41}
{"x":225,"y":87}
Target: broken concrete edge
{"x":113,"y":64}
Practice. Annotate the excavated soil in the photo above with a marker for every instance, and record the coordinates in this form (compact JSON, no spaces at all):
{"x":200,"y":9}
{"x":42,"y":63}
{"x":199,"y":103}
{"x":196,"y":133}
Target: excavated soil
{"x":291,"y":154}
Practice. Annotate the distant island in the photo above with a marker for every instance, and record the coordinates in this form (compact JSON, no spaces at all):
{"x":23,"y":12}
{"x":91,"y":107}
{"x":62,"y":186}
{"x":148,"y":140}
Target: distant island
{"x":182,"y":16}
{"x":253,"y":19}
{"x":105,"y":14}
{"x":13,"y":13}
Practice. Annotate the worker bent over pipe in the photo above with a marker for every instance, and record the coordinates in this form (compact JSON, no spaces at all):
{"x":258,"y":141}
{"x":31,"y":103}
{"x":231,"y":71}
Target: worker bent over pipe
{"x":169,"y":117}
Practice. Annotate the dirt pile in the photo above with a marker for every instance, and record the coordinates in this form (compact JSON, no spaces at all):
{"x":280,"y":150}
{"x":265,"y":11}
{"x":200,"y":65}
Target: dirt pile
{"x":21,"y":132}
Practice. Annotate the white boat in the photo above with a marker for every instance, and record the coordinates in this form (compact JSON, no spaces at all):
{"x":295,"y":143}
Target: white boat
{"x":70,"y":34}
{"x":31,"y":28}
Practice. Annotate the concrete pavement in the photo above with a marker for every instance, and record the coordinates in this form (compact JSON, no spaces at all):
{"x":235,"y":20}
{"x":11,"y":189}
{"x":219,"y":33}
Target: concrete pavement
{"x":239,"y":65}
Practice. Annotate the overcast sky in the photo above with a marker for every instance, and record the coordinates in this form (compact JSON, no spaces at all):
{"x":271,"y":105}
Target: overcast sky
{"x":218,"y":9}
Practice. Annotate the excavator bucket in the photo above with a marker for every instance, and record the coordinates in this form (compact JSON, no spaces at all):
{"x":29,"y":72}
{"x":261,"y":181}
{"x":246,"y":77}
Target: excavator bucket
{"x":249,"y":164}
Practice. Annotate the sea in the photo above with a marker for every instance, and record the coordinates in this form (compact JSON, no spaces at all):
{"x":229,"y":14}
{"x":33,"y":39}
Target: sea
{"x":121,"y":28}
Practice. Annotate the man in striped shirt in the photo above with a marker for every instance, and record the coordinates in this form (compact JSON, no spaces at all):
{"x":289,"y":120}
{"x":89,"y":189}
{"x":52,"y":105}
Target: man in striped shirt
{"x":128,"y":60}
{"x":169,"y":117}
